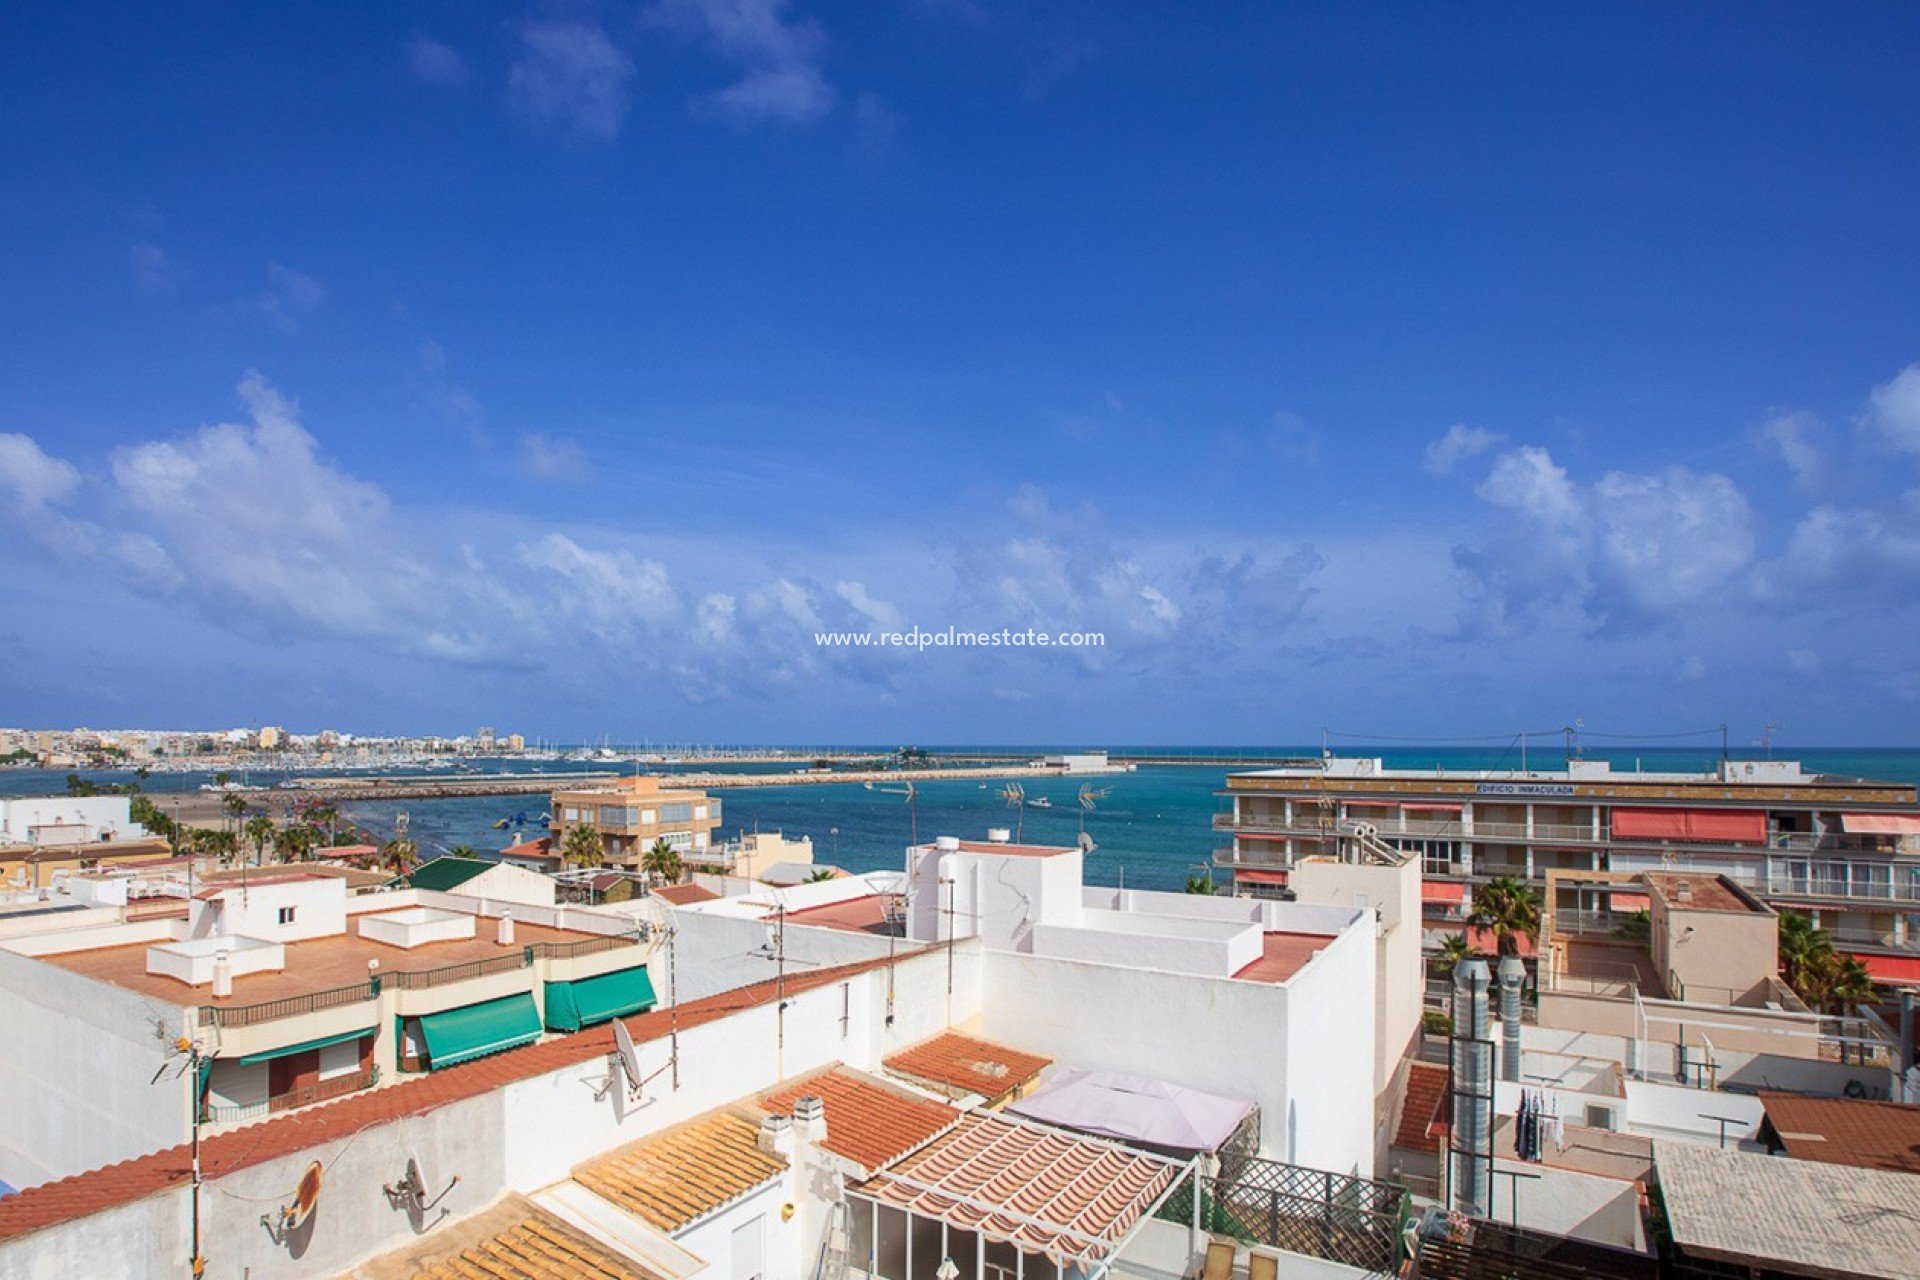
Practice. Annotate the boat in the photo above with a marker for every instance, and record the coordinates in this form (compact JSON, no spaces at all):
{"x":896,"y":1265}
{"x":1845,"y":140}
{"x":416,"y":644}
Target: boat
{"x":1040,"y":802}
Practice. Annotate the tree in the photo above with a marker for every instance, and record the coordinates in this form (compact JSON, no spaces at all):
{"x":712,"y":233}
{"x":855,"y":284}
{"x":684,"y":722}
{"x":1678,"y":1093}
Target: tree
{"x":234,"y":803}
{"x":220,"y":844}
{"x":1201,"y":884}
{"x":259,"y":830}
{"x":398,"y":855}
{"x":1804,"y":951}
{"x":149,"y":815}
{"x":1452,"y":950}
{"x":79,"y":786}
{"x":662,"y":862}
{"x":1637,"y":927}
{"x":462,"y":851}
{"x":222,"y":778}
{"x":583,"y":847}
{"x":294,"y":843}
{"x":1509,"y":910}
{"x":824,"y":873}
{"x":1849,"y":985}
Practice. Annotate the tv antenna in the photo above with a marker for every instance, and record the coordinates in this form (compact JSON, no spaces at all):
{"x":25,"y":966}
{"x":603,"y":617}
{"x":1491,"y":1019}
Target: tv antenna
{"x":1089,"y":797}
{"x":1767,"y":732}
{"x":913,"y":806}
{"x":192,"y":1064}
{"x":1016,"y":797}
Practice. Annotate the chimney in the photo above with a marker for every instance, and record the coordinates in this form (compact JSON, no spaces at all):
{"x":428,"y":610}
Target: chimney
{"x":505,"y":935}
{"x":222,"y":974}
{"x":1684,"y":891}
{"x":947,"y":844}
{"x":999,"y":835}
{"x":775,"y":1137}
{"x":810,"y":1119}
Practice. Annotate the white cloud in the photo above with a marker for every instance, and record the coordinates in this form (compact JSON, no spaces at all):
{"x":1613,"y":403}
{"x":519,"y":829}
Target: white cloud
{"x":31,"y":480}
{"x":1668,"y":541}
{"x":154,"y":271}
{"x":1528,"y":481}
{"x":553,"y":458}
{"x":460,"y":407}
{"x":884,"y":615}
{"x":1795,"y":437}
{"x":1460,"y":443}
{"x":614,"y":593}
{"x":436,"y":63}
{"x":781,"y":80}
{"x":289,"y":296}
{"x":1893,"y":409}
{"x":571,"y":74}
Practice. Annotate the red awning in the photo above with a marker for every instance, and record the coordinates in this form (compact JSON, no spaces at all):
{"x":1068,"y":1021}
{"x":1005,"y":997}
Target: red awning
{"x":1483,"y":941}
{"x":1881,"y":824}
{"x":1255,"y":835}
{"x":1900,"y":969}
{"x":1429,"y":806}
{"x":1441,"y":891}
{"x":1259,"y":877}
{"x":1632,"y":902}
{"x":1741,"y":826}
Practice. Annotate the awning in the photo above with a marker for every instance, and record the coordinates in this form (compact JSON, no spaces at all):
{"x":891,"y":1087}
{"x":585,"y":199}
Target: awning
{"x":1739,"y":826}
{"x":1135,"y":1109}
{"x":1631,"y":902}
{"x":1881,"y":824}
{"x":1259,"y":877}
{"x":1430,"y":806}
{"x":305,"y":1045}
{"x":475,"y":1030}
{"x":1893,"y":969}
{"x":587,"y":1001}
{"x":1442,"y":891}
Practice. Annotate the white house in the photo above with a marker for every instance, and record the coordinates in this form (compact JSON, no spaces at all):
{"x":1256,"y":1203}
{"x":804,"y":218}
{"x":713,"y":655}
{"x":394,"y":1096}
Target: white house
{"x":51,"y":820}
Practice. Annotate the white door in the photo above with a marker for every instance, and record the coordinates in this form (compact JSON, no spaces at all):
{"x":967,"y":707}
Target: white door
{"x":746,"y":1250}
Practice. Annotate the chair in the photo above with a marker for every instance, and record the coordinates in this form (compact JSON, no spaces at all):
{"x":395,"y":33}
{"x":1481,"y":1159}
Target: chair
{"x":1262,"y":1265}
{"x":1219,"y":1261}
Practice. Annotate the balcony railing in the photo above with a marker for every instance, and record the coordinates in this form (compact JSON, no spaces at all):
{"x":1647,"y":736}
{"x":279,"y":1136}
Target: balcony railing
{"x":1874,"y":938}
{"x":1308,"y":822}
{"x":446,"y":975}
{"x":325,"y":1090}
{"x":248,"y":1015}
{"x":1901,"y":890}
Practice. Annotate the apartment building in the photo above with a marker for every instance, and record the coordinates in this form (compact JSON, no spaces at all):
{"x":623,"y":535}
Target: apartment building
{"x":295,"y":993}
{"x":632,"y":813}
{"x":1844,"y":850}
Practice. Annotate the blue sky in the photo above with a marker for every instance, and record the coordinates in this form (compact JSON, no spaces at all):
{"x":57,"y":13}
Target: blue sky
{"x":566,"y":366}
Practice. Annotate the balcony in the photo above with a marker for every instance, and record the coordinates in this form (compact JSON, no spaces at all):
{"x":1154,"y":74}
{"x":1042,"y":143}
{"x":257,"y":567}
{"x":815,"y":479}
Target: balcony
{"x":324,"y":1091}
{"x":1872,"y":940}
{"x":249,"y":1015}
{"x":1843,"y":888}
{"x":1307,"y":823}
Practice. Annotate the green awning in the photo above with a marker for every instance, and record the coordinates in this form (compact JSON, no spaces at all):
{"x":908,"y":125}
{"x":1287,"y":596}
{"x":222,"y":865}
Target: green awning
{"x":475,"y":1030}
{"x":303,"y":1046}
{"x":587,"y":1001}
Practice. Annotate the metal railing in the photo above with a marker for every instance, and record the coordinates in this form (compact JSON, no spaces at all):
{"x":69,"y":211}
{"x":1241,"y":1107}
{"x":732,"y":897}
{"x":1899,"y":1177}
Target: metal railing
{"x":1307,"y":822}
{"x":1848,"y":888}
{"x":248,"y":1015}
{"x":1886,"y":939}
{"x":324,"y":1091}
{"x":1351,"y":1221}
{"x":446,"y":975}
{"x":1603,"y":923}
{"x":584,"y":947}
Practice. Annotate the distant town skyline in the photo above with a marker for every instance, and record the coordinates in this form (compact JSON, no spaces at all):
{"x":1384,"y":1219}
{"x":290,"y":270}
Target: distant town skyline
{"x":1423,"y":376}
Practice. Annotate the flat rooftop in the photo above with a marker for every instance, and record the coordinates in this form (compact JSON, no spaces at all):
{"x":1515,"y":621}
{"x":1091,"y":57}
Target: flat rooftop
{"x":1283,"y":955}
{"x":1006,"y":848}
{"x":1704,"y":893}
{"x":316,"y":964}
{"x":857,"y":915}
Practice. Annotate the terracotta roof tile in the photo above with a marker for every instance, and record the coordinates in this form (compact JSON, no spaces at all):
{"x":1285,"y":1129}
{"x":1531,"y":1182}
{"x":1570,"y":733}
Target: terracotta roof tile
{"x":1851,"y":1131}
{"x":537,"y":1247}
{"x":1421,"y":1115}
{"x":1282,"y":955}
{"x":1045,"y":1189}
{"x":685,"y":1173}
{"x":869,"y":1123}
{"x":974,"y":1066}
{"x":65,"y":1199}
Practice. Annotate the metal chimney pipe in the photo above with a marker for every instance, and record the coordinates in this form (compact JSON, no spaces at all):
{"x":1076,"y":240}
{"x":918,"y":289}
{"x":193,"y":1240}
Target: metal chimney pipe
{"x":1472,"y":1090}
{"x":1512,"y":974}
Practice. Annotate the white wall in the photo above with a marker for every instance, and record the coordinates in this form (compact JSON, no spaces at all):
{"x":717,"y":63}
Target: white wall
{"x":76,"y":1060}
{"x":1217,"y":948}
{"x":1302,"y":1051}
{"x":1603,"y":1210}
{"x":521,"y":1137}
{"x":96,"y":817}
{"x":319,"y":907}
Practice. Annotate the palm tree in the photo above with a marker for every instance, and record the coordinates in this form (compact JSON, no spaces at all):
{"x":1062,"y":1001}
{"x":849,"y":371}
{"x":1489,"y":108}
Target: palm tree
{"x":1452,"y":950}
{"x":234,"y":803}
{"x":1849,"y":986}
{"x":398,"y":855}
{"x":1637,"y":927}
{"x":1804,"y":950}
{"x":462,"y":851}
{"x":259,"y":830}
{"x":294,"y":843}
{"x":1509,"y":910}
{"x":663,"y":863}
{"x":583,"y":847}
{"x":1201,"y":884}
{"x":824,"y":873}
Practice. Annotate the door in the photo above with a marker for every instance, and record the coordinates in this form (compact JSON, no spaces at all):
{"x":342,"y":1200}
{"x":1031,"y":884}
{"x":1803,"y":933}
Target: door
{"x":746,"y":1249}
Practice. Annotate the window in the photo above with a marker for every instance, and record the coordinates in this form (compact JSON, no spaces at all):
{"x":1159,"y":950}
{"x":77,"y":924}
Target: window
{"x":286,"y":915}
{"x":746,"y":1250}
{"x":678,"y":841}
{"x":676,"y":813}
{"x":1599,"y":1117}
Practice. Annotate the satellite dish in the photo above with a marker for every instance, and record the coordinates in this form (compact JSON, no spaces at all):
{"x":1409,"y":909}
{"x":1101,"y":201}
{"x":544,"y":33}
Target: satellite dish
{"x":1086,"y":843}
{"x":628,"y":1055}
{"x":305,"y":1197}
{"x":415,"y":1182}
